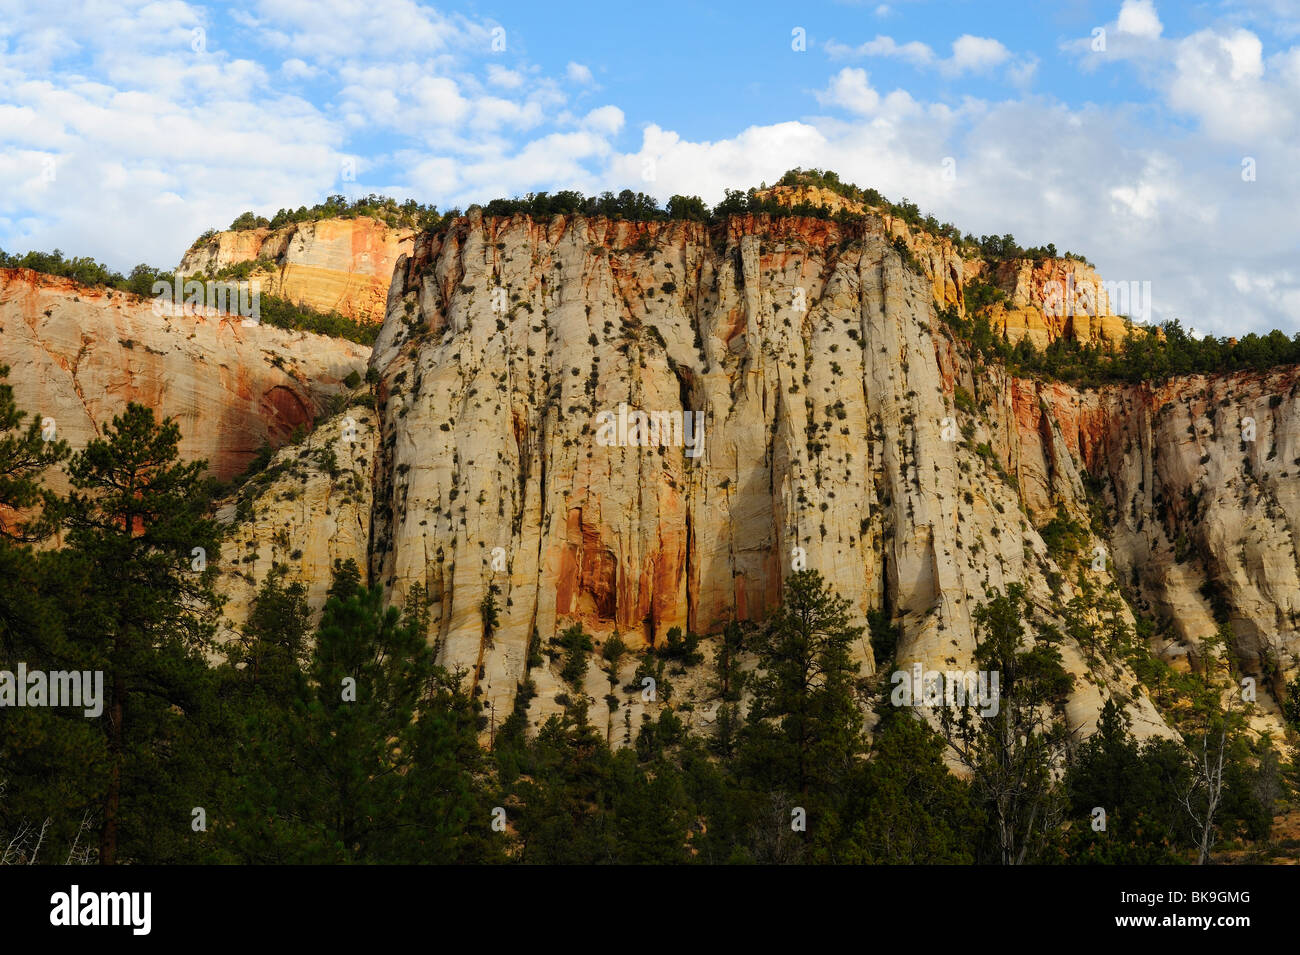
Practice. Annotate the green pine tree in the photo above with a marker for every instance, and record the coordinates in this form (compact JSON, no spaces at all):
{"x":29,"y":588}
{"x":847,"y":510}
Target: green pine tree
{"x":144,"y":552}
{"x":805,"y":723}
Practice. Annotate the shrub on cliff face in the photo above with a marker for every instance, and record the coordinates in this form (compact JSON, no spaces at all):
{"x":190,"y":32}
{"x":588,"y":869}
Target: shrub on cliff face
{"x":904,"y":253}
{"x":681,"y":649}
{"x":575,"y":644}
{"x":1066,"y":538}
{"x":1291,"y":704}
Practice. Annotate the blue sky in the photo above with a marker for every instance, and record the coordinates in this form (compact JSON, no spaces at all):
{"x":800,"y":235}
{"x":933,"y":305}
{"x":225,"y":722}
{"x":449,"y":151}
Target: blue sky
{"x":127,"y":127}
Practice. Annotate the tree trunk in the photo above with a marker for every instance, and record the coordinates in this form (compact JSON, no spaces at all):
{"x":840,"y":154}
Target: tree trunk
{"x":113,"y":798}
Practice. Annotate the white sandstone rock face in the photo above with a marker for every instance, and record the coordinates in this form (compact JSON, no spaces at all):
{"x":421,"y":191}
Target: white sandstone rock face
{"x":832,"y":440}
{"x":79,"y":354}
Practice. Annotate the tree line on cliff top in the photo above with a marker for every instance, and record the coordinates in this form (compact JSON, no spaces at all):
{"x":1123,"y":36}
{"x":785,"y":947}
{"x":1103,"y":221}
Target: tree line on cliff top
{"x":640,"y":207}
{"x":1148,"y":353}
{"x":347,"y":742}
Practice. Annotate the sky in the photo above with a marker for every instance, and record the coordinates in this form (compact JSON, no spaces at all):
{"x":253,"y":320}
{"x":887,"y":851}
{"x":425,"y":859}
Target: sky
{"x":1160,"y":139}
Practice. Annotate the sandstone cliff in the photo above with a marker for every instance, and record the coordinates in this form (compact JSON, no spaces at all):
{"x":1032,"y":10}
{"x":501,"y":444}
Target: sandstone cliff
{"x":341,"y":265}
{"x":79,"y":354}
{"x":833,"y":440}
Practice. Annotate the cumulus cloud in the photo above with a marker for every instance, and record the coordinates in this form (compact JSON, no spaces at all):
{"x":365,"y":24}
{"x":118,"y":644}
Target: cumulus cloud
{"x":1139,"y":18}
{"x":296,"y":69}
{"x":604,"y":119}
{"x":973,"y":54}
{"x":851,"y":90}
{"x":504,"y":78}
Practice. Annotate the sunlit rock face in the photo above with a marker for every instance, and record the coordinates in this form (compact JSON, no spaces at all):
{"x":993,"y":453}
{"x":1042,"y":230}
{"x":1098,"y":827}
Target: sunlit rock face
{"x":78,"y":355}
{"x":332,"y":265}
{"x":642,"y":426}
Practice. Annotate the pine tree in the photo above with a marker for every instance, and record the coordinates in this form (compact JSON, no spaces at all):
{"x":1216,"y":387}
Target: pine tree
{"x":903,"y":806}
{"x":136,"y":517}
{"x":265,"y":800}
{"x":805,"y":699}
{"x":369,"y":671}
{"x":51,"y":759}
{"x":1135,"y":786}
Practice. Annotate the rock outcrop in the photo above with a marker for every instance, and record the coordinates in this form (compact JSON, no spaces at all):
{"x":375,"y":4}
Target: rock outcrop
{"x":339,"y":265}
{"x":1047,"y":299}
{"x":1201,"y":478}
{"x":79,"y":354}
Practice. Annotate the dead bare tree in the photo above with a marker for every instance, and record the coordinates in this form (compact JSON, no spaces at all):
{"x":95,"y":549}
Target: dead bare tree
{"x":774,"y":842}
{"x":25,"y":845}
{"x":1204,"y":794}
{"x":77,"y":853}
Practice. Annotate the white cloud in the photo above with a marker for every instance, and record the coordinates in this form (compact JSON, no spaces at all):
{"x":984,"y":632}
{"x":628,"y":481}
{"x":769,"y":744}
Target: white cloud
{"x":1139,"y":18}
{"x":974,"y":54}
{"x":1141,"y":197}
{"x":296,"y":69}
{"x":915,"y":52}
{"x":851,"y":90}
{"x":1021,"y":73}
{"x":504,"y":78}
{"x":577,"y":73}
{"x":604,"y":119}
{"x":1220,"y":79}
{"x":970,"y":54}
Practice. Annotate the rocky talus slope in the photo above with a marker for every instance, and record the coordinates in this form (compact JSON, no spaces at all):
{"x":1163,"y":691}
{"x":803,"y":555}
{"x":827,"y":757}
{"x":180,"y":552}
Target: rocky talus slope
{"x":341,"y":265}
{"x":79,"y":354}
